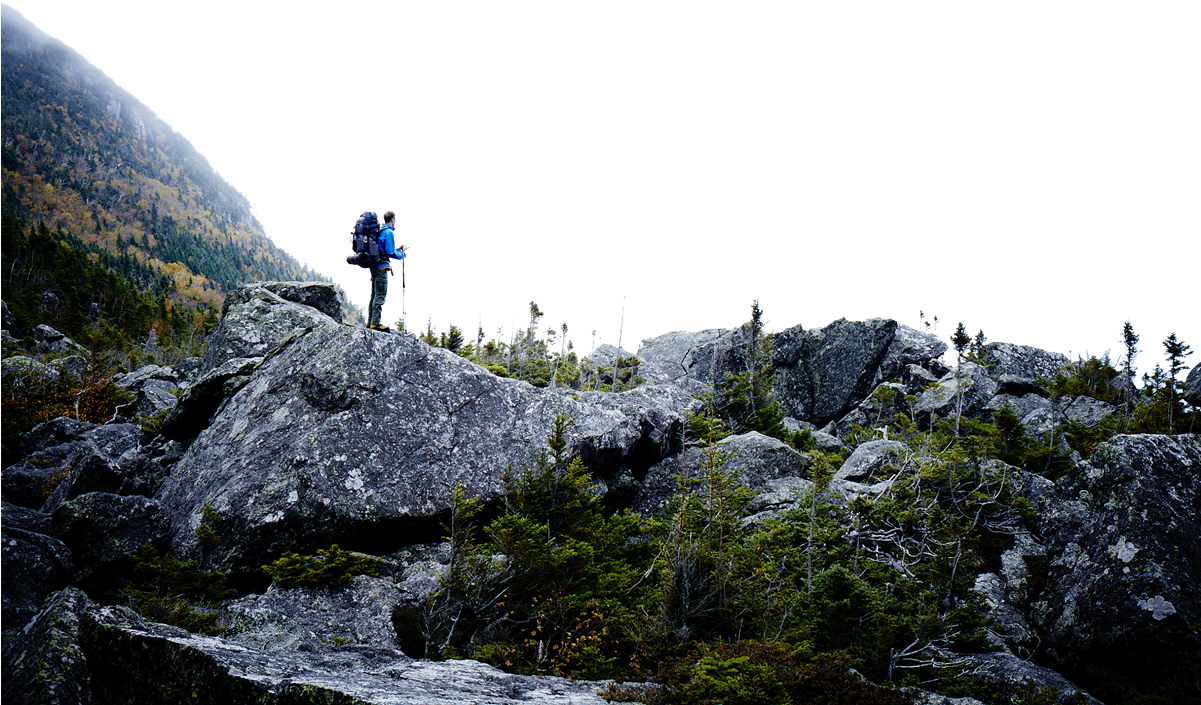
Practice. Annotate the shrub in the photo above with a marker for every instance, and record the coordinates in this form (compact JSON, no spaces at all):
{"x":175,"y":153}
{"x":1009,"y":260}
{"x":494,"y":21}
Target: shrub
{"x":164,"y":589}
{"x":334,"y":567}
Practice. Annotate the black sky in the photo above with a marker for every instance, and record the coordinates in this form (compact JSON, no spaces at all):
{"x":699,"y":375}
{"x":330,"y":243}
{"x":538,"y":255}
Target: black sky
{"x":1043,"y":199}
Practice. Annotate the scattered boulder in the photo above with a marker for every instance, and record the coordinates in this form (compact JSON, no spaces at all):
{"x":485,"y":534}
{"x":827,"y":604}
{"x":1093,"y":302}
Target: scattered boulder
{"x":50,"y":340}
{"x":72,"y":366}
{"x":102,"y":528}
{"x":110,"y":654}
{"x":757,"y":459}
{"x":1007,"y":675}
{"x":1087,"y":411}
{"x":1016,"y":368}
{"x":677,"y":358}
{"x":101,"y":462}
{"x":307,"y":452}
{"x":319,"y":295}
{"x":281,"y":619}
{"x":63,"y":429}
{"x":20,"y":369}
{"x":155,"y":388}
{"x":195,"y":408}
{"x":781,"y":493}
{"x":823,"y":374}
{"x":257,"y":320}
{"x":1125,"y":558}
{"x":971,"y":382}
{"x":34,"y":566}
{"x":911,"y":347}
{"x":52,"y":636}
{"x":869,"y":458}
{"x":1192,"y":386}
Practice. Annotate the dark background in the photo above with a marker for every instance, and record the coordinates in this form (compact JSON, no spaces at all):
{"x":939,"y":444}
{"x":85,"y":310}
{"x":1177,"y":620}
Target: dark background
{"x":1034,"y":189}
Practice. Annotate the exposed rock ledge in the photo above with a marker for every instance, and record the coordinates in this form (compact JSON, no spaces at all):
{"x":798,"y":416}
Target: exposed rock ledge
{"x":109,"y":654}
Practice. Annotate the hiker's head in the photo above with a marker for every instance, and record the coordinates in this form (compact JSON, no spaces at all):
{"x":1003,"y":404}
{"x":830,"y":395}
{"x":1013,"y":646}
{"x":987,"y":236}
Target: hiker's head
{"x":389,"y":217}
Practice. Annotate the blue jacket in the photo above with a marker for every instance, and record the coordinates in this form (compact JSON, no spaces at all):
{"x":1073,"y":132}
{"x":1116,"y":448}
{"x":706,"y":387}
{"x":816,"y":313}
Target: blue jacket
{"x":387,"y":246}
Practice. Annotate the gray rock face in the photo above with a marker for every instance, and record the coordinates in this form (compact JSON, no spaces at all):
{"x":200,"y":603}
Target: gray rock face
{"x":1192,"y":385}
{"x":757,"y":459}
{"x":823,"y":374}
{"x":196,"y":406}
{"x":109,"y":654}
{"x":910,"y":347}
{"x":34,"y":566}
{"x":1088,"y":411}
{"x":282,"y":619}
{"x":1125,"y":560}
{"x":1016,"y":367}
{"x":977,"y":391}
{"x":101,"y":528}
{"x":52,"y":433}
{"x":105,"y":460}
{"x":348,"y":432}
{"x":50,"y":340}
{"x":257,"y":320}
{"x":319,"y":295}
{"x":1006,"y":673}
{"x":677,"y":358}
{"x":52,"y":636}
{"x":869,"y":458}
{"x":152,"y":387}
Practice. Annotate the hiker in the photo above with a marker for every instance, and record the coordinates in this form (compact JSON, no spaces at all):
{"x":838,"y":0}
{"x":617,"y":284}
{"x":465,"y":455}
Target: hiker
{"x":379,"y":272}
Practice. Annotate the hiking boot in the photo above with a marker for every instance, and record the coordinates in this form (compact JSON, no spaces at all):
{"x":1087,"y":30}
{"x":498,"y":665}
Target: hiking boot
{"x":377,"y":326}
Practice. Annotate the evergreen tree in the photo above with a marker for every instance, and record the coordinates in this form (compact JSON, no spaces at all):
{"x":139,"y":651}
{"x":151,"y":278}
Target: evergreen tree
{"x":747,"y":398}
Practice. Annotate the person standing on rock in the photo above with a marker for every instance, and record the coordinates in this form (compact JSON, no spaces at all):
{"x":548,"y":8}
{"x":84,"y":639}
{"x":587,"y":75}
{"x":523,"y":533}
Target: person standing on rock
{"x":379,"y":273}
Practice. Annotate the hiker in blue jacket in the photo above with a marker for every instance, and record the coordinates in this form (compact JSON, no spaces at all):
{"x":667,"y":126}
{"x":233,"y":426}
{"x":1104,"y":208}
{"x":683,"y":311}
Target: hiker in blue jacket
{"x":379,"y":273}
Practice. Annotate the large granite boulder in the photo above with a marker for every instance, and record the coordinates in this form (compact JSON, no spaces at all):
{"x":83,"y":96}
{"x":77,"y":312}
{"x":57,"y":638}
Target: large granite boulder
{"x":912,"y":347}
{"x":102,"y":528}
{"x":967,"y":389}
{"x":870,"y":458}
{"x":154,"y":388}
{"x":1016,"y":368}
{"x":680,"y":358}
{"x":110,"y":654}
{"x":283,"y":619}
{"x":1121,"y":602}
{"x":198,"y":404}
{"x":257,"y":318}
{"x":1087,"y":411}
{"x":50,"y":457}
{"x":34,"y":564}
{"x":355,"y":435}
{"x":1008,"y":676}
{"x":105,"y":460}
{"x":50,"y":340}
{"x":823,"y":374}
{"x":1192,"y":386}
{"x":755,"y":459}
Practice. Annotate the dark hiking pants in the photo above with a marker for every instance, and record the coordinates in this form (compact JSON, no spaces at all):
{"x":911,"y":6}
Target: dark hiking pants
{"x":378,"y":296}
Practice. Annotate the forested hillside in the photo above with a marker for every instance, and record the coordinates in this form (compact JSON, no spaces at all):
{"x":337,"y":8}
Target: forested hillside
{"x":94,"y":184}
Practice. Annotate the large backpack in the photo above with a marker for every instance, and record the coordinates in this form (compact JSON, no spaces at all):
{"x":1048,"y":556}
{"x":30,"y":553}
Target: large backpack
{"x":364,"y":239}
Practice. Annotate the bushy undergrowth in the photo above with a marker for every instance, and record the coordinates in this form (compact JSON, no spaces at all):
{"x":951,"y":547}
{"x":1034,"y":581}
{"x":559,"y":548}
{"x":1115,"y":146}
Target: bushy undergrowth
{"x":333,"y":566}
{"x":164,"y":589}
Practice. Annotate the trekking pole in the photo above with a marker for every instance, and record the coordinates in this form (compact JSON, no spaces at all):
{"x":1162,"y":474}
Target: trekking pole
{"x":403,"y":315}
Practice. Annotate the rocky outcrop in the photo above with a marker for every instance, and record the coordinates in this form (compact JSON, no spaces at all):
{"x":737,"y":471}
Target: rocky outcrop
{"x":754,"y":458}
{"x":75,"y":651}
{"x":34,"y":564}
{"x":681,"y":358}
{"x":1008,"y":676}
{"x":1016,"y":368}
{"x":155,"y":389}
{"x":1125,"y":560}
{"x":967,"y":390}
{"x":823,"y":374}
{"x":105,"y":460}
{"x":284,"y":619}
{"x":354,"y":434}
{"x":102,"y":528}
{"x":258,"y":318}
{"x":1192,"y":386}
{"x":870,"y":458}
{"x":912,"y":347}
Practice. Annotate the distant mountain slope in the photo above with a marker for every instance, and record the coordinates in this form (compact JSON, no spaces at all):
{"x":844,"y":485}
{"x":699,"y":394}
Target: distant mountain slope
{"x":116,"y":185}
